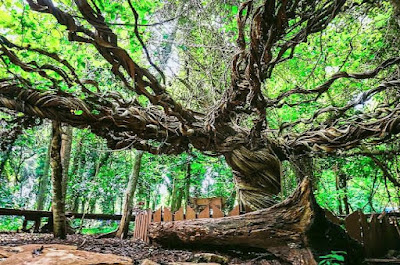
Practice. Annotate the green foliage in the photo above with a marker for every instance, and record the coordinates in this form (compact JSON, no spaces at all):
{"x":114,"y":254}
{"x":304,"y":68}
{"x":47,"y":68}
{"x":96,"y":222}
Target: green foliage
{"x":200,"y":42}
{"x":334,"y":258}
{"x":8,"y":223}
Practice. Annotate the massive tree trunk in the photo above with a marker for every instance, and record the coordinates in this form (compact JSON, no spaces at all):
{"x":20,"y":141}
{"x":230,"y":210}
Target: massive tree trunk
{"x":257,"y":175}
{"x":59,"y":220}
{"x":294,"y":231}
{"x":123,"y":228}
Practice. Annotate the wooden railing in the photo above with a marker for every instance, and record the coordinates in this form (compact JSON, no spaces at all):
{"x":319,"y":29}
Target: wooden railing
{"x":378,"y":233}
{"x":32,"y":215}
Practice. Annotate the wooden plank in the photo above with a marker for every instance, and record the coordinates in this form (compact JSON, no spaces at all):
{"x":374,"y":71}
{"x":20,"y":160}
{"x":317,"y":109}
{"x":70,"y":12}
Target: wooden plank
{"x":135,"y":233}
{"x":353,"y":226}
{"x":137,"y":227}
{"x":190,"y":213}
{"x":157,"y":215}
{"x":202,"y":202}
{"x":390,"y":233}
{"x":216,"y":212}
{"x":217,"y":202}
{"x":374,"y":246}
{"x":167,"y":215}
{"x":146,"y":228}
{"x":205,"y":213}
{"x":178,"y":216}
{"x":364,"y":227}
{"x":144,"y":225}
{"x":235,"y":211}
{"x":140,"y":226}
{"x":247,"y":209}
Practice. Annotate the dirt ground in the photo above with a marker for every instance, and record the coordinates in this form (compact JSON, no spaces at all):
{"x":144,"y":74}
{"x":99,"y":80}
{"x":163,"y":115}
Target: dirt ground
{"x":136,"y":250}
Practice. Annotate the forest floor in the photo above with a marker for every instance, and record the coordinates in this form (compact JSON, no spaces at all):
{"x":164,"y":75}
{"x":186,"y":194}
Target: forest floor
{"x":136,"y":250}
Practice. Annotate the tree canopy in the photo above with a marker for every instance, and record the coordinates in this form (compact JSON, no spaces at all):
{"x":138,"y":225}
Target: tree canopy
{"x":259,"y":82}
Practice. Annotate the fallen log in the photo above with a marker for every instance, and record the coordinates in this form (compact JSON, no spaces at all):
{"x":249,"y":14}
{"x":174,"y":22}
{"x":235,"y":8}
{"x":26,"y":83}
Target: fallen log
{"x":294,"y":231}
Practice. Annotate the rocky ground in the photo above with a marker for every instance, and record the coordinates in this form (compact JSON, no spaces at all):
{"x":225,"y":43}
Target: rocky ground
{"x":138,"y":251}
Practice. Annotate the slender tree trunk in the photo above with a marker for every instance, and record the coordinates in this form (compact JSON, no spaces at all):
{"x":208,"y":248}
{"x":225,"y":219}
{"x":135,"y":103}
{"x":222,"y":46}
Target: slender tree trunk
{"x":303,"y":167}
{"x":5,"y":158}
{"x":173,"y":194}
{"x":396,"y":7}
{"x":123,"y":228}
{"x":66,"y":157}
{"x":83,"y":204}
{"x":338,"y":192}
{"x":74,"y":205}
{"x":92,"y":204}
{"x":59,"y":220}
{"x":343,"y":185}
{"x":179,"y":197}
{"x":43,"y":180}
{"x":187,"y":184}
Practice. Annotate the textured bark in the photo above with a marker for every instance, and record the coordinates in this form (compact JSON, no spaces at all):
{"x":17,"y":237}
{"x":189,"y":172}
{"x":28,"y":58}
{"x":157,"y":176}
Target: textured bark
{"x":123,"y":228}
{"x":174,"y":194}
{"x":294,"y":231}
{"x":257,"y":175}
{"x":343,"y":185}
{"x":303,"y":167}
{"x":339,"y":198}
{"x":4,"y":158}
{"x":66,"y":145}
{"x":187,"y":181}
{"x":396,"y":13}
{"x":59,"y":220}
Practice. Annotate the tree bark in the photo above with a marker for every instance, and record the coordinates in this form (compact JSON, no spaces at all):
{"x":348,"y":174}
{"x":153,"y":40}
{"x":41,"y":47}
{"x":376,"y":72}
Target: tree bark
{"x":343,"y":185}
{"x":257,"y":176}
{"x":174,"y":194}
{"x":187,"y":180}
{"x":5,"y":157}
{"x":123,"y":228}
{"x":59,"y":220}
{"x":302,"y":166}
{"x":294,"y":231}
{"x":76,"y":162}
{"x":340,"y":207}
{"x":66,"y":144}
{"x":396,"y":13}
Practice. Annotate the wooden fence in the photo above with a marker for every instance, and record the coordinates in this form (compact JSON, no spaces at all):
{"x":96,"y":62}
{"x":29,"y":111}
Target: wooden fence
{"x":145,"y":217}
{"x":378,"y":233}
{"x":36,"y":216}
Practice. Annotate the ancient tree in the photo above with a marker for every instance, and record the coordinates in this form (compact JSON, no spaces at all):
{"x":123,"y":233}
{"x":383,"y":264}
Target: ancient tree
{"x":237,"y":125}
